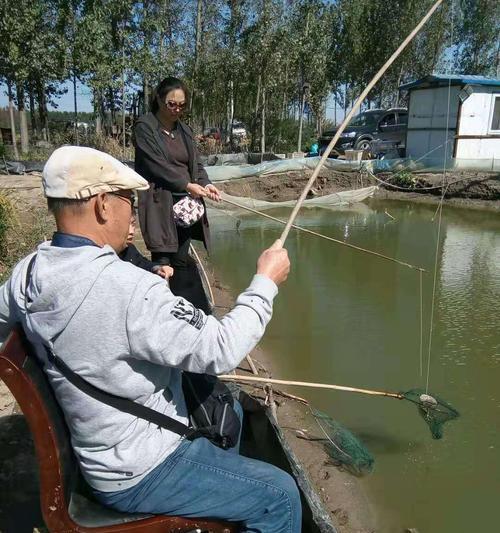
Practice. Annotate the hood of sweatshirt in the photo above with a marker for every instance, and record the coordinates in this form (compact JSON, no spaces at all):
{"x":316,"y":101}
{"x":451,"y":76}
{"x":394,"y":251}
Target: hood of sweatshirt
{"x":59,"y":282}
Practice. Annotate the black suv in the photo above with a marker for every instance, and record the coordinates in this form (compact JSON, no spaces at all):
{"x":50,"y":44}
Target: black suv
{"x":376,"y":124}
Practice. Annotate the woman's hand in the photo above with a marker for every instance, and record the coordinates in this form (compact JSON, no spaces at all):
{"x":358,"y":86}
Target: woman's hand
{"x":213,"y":193}
{"x":196,"y":190}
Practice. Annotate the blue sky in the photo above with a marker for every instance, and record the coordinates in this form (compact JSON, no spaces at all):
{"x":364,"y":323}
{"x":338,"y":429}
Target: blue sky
{"x":65,"y":102}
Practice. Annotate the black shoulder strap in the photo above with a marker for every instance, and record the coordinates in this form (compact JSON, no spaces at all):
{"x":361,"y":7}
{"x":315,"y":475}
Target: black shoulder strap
{"x":122,"y":404}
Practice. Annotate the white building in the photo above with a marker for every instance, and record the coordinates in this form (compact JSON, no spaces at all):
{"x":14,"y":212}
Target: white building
{"x":454,"y":116}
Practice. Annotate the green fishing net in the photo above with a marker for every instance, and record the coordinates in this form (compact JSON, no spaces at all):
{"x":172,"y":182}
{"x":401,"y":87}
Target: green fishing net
{"x":434,"y":410}
{"x":344,"y":448}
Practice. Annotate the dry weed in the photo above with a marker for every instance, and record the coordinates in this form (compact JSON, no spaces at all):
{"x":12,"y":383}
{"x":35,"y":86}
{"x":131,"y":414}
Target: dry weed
{"x":20,"y":235}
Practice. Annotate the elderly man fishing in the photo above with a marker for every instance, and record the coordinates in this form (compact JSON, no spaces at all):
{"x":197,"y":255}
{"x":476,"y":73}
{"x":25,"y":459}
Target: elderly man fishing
{"x":121,"y":329}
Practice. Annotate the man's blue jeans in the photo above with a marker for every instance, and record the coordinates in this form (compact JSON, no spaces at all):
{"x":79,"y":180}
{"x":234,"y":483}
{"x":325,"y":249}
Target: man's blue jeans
{"x":201,"y":480}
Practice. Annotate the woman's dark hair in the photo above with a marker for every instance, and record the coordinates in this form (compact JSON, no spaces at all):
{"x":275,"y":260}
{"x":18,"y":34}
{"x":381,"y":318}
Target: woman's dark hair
{"x":163,"y":88}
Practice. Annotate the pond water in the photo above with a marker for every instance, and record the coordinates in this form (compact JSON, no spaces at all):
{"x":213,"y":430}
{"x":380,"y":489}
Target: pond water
{"x":349,"y":318}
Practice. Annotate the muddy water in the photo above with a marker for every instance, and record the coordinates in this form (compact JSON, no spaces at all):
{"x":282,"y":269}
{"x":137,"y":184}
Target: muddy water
{"x":349,"y":318}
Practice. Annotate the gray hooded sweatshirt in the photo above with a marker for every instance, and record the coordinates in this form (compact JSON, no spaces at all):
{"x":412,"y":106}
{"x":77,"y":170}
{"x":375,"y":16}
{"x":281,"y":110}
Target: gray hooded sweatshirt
{"x":121,"y":329}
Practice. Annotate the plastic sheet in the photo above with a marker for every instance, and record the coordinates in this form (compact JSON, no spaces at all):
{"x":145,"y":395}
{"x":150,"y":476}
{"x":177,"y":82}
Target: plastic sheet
{"x":20,"y":167}
{"x":222,"y":167}
{"x":225,"y":173}
{"x":329,"y":200}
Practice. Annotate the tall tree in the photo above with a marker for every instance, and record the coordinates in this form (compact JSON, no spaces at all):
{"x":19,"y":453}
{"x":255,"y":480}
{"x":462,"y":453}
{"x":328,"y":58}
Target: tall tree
{"x":479,"y":37}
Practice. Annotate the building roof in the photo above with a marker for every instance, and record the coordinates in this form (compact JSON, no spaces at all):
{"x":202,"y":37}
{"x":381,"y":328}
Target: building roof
{"x":441,"y":80}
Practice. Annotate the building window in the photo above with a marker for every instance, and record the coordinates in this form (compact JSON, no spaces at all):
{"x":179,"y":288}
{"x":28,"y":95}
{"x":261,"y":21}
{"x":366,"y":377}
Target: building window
{"x":495,"y":121}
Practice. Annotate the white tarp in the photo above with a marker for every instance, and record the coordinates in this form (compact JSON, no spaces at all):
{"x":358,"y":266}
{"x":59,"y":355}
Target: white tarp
{"x":224,"y":173}
{"x":329,"y":200}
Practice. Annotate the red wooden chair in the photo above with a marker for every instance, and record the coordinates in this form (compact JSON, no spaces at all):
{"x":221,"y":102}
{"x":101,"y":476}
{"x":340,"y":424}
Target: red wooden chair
{"x":66,"y":503}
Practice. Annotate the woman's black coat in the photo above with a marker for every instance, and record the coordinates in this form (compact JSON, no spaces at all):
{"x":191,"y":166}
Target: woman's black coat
{"x":155,"y":205}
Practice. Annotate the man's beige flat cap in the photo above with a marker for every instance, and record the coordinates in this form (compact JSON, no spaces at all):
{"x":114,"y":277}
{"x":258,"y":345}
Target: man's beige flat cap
{"x":79,"y":172}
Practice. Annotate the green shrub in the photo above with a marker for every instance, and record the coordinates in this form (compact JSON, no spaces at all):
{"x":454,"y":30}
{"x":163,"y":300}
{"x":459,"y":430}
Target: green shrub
{"x":404,"y":178}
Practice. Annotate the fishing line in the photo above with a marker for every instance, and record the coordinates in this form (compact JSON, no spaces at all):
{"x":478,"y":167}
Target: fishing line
{"x":421,"y":326}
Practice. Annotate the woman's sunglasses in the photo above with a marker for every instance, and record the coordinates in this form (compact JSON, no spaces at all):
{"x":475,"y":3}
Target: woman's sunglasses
{"x":172,"y":104}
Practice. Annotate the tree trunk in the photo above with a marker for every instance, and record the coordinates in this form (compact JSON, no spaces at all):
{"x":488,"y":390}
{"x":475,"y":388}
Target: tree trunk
{"x":75,"y":105}
{"x":134,"y":108}
{"x":123,"y":99}
{"x":335,"y":110}
{"x":498,"y":60}
{"x":73,"y":58}
{"x":197,"y":53}
{"x":203,"y":116}
{"x":111,"y":96}
{"x":263,"y":123}
{"x":12,"y":121}
{"x":34,"y":128}
{"x":23,"y":123}
{"x":230,"y":115}
{"x":98,"y":112}
{"x":346,"y":99}
{"x":397,"y":88}
{"x":301,"y":120}
{"x":42,"y":111}
{"x":283,"y":106}
{"x":146,"y":97}
{"x":256,"y":112}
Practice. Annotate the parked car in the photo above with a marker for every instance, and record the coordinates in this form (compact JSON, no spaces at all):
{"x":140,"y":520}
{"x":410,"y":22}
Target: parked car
{"x":376,"y":124}
{"x":238,"y":129}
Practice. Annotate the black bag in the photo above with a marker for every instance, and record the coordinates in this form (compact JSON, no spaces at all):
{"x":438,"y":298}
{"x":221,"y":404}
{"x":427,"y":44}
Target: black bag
{"x":211,"y":409}
{"x":209,"y":402}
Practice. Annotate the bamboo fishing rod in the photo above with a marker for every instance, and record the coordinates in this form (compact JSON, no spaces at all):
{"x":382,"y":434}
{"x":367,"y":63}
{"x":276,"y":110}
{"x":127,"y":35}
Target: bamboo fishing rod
{"x":311,"y":232}
{"x":255,"y":379}
{"x":347,"y":119}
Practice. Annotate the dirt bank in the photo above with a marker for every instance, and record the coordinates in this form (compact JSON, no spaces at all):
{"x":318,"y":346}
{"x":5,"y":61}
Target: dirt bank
{"x":467,"y":189}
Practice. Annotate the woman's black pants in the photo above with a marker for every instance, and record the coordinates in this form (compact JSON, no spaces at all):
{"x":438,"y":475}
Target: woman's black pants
{"x":186,"y":281}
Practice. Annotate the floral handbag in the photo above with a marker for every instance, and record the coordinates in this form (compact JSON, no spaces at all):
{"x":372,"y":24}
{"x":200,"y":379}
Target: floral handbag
{"x":188,"y":211}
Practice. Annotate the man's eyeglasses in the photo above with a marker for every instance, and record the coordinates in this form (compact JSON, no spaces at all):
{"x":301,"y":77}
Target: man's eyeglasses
{"x":172,"y":104}
{"x":128,"y":199}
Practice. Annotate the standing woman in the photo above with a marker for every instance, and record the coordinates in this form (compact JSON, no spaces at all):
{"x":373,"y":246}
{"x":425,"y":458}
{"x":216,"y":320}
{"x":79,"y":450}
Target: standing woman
{"x":166,"y":156}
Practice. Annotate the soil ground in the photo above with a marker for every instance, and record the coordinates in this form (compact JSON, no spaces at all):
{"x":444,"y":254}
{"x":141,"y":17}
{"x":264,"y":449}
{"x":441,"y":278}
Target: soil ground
{"x":341,"y":492}
{"x":469,"y":189}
